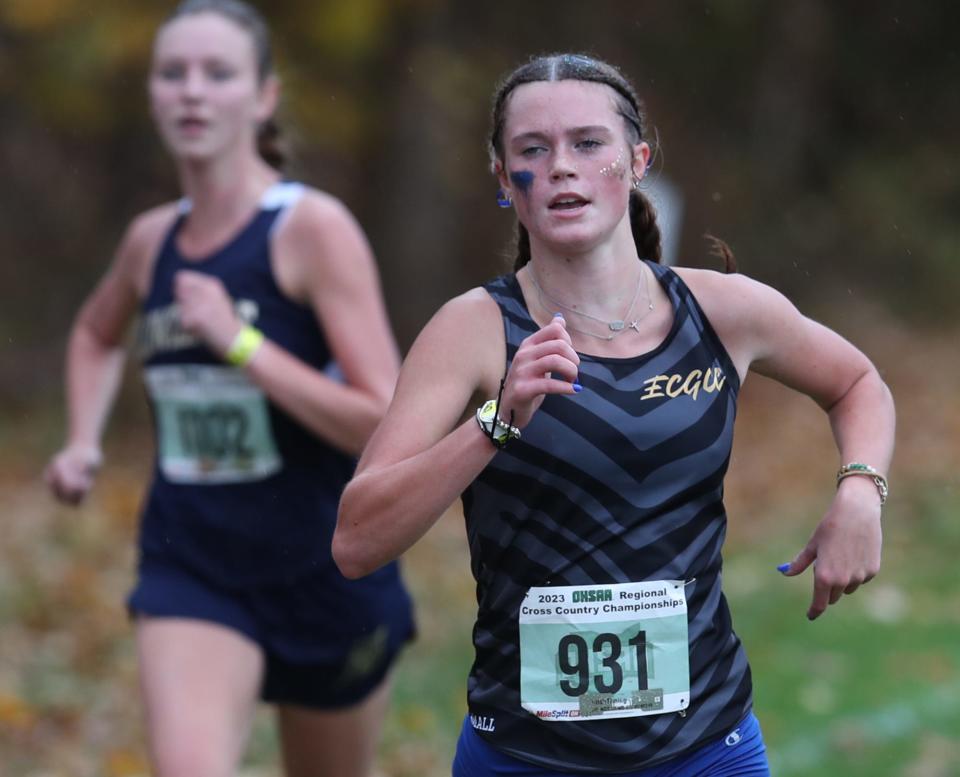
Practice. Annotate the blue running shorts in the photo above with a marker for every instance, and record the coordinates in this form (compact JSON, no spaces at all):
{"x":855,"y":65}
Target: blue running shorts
{"x":741,"y":753}
{"x":317,"y":653}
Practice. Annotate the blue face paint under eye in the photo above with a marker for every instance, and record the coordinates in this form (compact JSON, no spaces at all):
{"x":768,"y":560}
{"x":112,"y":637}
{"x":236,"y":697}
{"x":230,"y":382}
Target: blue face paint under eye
{"x":523,"y":180}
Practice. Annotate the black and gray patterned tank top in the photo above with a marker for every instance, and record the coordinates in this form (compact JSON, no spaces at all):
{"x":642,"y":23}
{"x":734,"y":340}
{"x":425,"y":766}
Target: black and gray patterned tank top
{"x":621,"y":483}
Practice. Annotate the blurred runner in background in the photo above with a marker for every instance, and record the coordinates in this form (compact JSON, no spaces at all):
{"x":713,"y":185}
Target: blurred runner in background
{"x":268,"y":361}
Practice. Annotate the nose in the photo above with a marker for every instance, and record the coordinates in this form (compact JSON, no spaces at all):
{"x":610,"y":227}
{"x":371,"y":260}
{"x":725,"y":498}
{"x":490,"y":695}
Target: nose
{"x":562,"y":166}
{"x":193,"y":84}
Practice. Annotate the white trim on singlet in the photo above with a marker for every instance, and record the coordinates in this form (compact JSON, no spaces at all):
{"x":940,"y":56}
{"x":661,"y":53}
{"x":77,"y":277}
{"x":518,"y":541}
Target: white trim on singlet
{"x":280,"y":195}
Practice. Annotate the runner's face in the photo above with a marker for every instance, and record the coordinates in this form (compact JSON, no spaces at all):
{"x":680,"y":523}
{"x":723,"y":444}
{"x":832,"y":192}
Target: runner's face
{"x":205,"y":93}
{"x":568,"y":162}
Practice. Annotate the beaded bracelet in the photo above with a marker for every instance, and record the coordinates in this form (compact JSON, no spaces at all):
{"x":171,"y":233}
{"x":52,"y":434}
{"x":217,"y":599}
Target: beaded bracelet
{"x":856,"y":468}
{"x":244,"y":346}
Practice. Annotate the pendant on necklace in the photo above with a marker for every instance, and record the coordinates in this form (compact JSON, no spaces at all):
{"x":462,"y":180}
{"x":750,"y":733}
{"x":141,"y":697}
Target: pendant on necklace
{"x":635,"y":326}
{"x":615,"y":326}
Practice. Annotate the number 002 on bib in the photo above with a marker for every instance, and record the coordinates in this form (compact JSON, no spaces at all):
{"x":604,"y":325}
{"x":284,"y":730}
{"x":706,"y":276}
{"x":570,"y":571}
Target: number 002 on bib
{"x":213,"y":425}
{"x":604,"y":651}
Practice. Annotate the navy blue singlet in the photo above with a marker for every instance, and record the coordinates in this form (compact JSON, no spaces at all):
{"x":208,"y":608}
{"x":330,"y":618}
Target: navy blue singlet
{"x":242,"y":494}
{"x":622,"y":483}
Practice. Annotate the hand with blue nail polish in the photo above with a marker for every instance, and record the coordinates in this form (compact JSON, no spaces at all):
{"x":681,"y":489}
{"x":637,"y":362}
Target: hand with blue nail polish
{"x":545,"y":363}
{"x":844,"y":550}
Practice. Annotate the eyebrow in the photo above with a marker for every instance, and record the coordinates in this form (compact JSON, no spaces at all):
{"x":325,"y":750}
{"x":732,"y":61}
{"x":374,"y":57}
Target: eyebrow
{"x":184,"y":59}
{"x":536,"y":135}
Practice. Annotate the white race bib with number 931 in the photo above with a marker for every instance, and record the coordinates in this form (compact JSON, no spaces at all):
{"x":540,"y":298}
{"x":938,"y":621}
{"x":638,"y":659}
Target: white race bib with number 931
{"x":604,"y":651}
{"x":213,"y":425}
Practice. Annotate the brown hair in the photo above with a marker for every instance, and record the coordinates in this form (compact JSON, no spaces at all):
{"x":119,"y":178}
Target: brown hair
{"x":249,"y":19}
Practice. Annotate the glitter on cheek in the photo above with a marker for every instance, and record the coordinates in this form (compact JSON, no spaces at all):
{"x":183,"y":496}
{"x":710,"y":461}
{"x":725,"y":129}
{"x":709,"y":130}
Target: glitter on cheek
{"x":523,"y":180}
{"x":615,"y":168}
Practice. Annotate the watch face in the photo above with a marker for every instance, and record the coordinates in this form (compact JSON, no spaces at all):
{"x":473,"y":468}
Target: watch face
{"x":495,"y":428}
{"x":489,"y":410}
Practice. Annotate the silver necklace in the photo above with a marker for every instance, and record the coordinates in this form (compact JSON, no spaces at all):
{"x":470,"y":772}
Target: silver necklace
{"x":617,"y":325}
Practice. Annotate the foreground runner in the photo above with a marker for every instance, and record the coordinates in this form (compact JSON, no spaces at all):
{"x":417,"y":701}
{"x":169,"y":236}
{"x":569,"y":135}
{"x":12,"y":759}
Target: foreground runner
{"x":584,"y":408}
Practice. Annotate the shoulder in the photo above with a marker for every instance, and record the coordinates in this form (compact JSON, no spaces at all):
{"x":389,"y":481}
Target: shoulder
{"x":713,"y":281}
{"x":141,"y":242}
{"x":472,"y":306}
{"x":468,"y":317}
{"x":112,"y":303}
{"x":762,"y":330}
{"x":733,"y":300}
{"x":751,"y":318}
{"x":465,"y":335}
{"x":321,"y":247}
{"x":319,"y":215}
{"x":147,"y":229}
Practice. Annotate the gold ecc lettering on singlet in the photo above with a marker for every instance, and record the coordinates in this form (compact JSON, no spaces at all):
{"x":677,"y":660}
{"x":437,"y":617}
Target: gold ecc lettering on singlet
{"x":708,"y":381}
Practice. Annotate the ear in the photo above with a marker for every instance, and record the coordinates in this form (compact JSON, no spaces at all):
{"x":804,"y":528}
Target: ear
{"x":641,"y":159}
{"x":502,"y":178}
{"x":269,"y":98}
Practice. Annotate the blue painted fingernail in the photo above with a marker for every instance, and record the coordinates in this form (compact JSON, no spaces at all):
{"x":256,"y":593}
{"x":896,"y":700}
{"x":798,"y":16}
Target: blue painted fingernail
{"x":783,"y":567}
{"x":577,"y":387}
{"x":558,"y":315}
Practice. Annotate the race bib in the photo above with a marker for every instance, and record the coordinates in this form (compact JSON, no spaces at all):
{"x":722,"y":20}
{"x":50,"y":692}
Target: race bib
{"x":213,"y":425}
{"x":604,"y":651}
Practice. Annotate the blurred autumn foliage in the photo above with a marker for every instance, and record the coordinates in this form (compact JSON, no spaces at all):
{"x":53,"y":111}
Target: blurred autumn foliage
{"x":817,"y":138}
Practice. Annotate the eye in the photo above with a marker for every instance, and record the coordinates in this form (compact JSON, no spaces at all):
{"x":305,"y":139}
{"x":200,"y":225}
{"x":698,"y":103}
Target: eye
{"x":170,"y":72}
{"x":589,"y":144}
{"x":220,"y":72}
{"x":531,"y":151}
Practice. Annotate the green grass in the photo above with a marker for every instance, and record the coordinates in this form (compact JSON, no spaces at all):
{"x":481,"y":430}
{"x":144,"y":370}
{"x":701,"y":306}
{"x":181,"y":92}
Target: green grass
{"x":873,"y":686}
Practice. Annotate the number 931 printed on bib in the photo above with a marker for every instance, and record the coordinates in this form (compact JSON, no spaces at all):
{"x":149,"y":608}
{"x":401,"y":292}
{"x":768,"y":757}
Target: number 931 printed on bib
{"x":604,"y":651}
{"x":213,"y":425}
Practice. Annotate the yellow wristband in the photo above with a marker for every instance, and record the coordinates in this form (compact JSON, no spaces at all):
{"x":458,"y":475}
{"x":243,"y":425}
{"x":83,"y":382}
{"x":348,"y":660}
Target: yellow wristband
{"x":244,"y":346}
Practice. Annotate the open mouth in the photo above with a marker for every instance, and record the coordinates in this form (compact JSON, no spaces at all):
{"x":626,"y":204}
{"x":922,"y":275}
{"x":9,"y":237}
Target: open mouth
{"x":191,"y":124}
{"x":568,"y":203}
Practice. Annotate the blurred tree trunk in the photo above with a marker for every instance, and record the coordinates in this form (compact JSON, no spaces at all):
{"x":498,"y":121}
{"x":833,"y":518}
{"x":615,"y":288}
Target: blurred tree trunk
{"x":414,"y":210}
{"x":789,"y":99}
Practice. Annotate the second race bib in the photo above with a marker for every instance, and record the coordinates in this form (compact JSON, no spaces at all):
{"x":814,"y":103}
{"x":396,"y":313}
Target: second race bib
{"x":213,"y":425}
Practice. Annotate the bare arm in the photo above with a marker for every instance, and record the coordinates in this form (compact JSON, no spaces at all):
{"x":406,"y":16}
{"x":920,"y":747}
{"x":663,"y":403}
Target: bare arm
{"x":764,"y":332}
{"x":322,"y":259}
{"x":95,"y":359}
{"x":424,"y":454}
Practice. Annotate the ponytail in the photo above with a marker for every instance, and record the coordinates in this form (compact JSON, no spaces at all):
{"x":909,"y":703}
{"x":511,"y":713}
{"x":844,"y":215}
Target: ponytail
{"x":270,"y":146}
{"x":720,"y":249}
{"x":643,"y":225}
{"x":522,"y":241}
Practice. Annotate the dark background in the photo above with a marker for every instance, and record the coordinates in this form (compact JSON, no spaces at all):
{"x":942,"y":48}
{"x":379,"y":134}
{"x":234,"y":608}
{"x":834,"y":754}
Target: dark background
{"x":817,"y":138}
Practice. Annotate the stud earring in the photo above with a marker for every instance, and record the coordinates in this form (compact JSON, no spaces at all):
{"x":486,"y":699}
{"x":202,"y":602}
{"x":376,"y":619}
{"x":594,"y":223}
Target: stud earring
{"x":503,"y":199}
